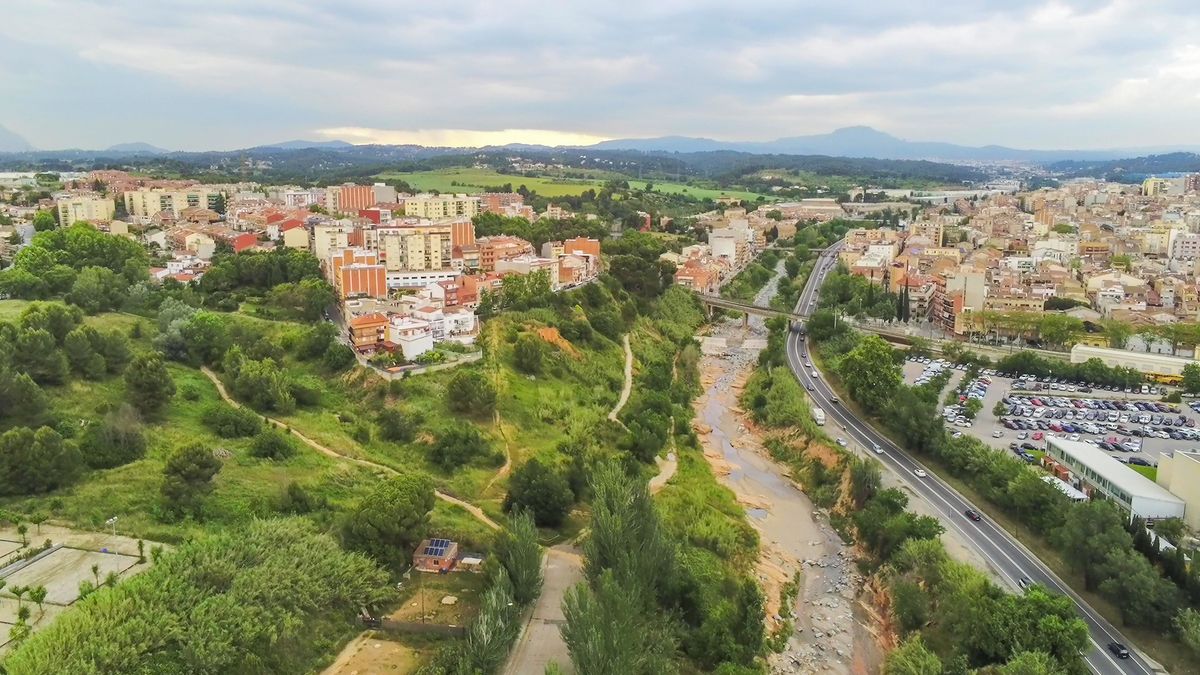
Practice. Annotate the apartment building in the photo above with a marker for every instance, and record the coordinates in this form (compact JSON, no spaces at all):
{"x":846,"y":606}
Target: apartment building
{"x":933,"y":230}
{"x":527,"y":264}
{"x":91,"y":208}
{"x":357,"y":273}
{"x":435,"y":207}
{"x":147,"y":202}
{"x":497,"y":202}
{"x":349,"y":198}
{"x":500,"y":247}
{"x":330,"y":237}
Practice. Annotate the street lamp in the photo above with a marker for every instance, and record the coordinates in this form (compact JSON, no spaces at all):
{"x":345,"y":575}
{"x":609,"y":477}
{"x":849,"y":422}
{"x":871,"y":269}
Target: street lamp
{"x":112,"y":522}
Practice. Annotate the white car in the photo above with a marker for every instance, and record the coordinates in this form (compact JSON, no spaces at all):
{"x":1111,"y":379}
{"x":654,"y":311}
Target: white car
{"x":996,"y":433}
{"x":878,"y":450}
{"x":841,"y":442}
{"x":919,"y":473}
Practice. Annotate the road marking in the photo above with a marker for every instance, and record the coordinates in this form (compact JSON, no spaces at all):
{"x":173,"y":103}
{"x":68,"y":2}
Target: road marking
{"x":1097,"y":622}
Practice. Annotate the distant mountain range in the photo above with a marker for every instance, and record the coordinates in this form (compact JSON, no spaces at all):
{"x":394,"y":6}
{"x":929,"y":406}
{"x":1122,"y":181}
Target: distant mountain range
{"x":868,"y":142}
{"x":137,"y":148}
{"x":11,"y":142}
{"x":303,"y":145}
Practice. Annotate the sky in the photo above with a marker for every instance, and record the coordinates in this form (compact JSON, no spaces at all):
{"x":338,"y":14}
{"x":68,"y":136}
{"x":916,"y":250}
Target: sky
{"x":225,"y":74}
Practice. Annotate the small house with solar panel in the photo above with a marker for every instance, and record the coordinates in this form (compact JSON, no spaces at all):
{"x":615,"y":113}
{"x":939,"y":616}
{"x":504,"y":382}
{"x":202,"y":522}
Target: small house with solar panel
{"x":436,"y":555}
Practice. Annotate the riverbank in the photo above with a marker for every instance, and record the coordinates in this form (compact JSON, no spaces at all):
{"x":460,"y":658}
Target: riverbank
{"x":831,"y":633}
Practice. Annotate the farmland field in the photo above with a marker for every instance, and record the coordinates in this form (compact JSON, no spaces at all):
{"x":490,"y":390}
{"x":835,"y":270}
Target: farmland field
{"x":479,"y":180}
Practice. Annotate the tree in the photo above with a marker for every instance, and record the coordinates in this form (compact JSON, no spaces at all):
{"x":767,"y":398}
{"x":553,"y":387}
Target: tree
{"x":1143,"y":597}
{"x":541,"y":490}
{"x":609,"y":633}
{"x":396,"y":425}
{"x":388,"y":522}
{"x":97,"y":289}
{"x":1031,"y":663}
{"x":999,"y":410}
{"x":1089,"y":533}
{"x":37,"y":595}
{"x":1191,"y":378}
{"x":871,"y":373}
{"x":521,"y":557}
{"x":187,"y":478}
{"x":44,"y":221}
{"x":972,"y":408}
{"x":1187,"y":624}
{"x":1060,"y":330}
{"x":470,"y":392}
{"x":40,"y":358}
{"x":81,"y":352}
{"x":1117,"y":332}
{"x":115,"y":440}
{"x":458,"y":446}
{"x":912,"y":657}
{"x":148,"y":384}
{"x":528,"y":353}
{"x":910,"y":604}
{"x":36,"y":461}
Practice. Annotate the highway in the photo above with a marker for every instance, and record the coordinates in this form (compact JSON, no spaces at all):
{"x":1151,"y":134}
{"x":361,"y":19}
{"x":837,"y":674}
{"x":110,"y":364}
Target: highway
{"x":1008,"y":557}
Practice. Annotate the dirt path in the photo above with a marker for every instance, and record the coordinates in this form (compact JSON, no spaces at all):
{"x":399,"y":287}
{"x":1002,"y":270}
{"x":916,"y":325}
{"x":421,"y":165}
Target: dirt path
{"x":467,"y":506}
{"x":541,"y":643}
{"x":666,"y":470}
{"x":628,"y":386}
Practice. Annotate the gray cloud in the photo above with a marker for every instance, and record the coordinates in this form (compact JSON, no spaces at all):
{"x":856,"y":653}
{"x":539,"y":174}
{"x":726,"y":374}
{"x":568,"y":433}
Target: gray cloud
{"x":227,"y":73}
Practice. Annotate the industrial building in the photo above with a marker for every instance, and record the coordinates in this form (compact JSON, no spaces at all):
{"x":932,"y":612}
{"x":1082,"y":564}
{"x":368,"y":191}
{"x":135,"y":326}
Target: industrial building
{"x":1179,"y":472}
{"x":1150,"y":364}
{"x":1099,"y":475}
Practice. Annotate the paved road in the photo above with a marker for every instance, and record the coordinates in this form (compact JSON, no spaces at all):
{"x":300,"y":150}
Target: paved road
{"x":1009,"y":559}
{"x":541,"y":643}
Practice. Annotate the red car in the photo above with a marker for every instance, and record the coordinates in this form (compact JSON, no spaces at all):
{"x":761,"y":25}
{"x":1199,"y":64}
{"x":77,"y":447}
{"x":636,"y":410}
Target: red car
{"x":1037,"y":436}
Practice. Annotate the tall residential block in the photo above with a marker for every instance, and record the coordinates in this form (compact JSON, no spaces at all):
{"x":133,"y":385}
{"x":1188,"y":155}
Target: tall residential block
{"x":147,"y":202}
{"x":441,"y":206}
{"x":85,"y":207}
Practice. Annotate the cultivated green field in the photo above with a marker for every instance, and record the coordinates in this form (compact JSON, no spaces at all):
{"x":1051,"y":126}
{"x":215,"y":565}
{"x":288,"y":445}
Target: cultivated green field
{"x":471,"y":181}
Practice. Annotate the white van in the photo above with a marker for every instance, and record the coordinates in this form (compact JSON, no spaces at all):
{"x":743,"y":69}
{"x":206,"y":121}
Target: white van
{"x":814,"y":373}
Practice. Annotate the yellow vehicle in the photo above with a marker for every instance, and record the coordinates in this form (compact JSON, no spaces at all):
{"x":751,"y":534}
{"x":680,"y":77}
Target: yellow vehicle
{"x":1165,"y":379}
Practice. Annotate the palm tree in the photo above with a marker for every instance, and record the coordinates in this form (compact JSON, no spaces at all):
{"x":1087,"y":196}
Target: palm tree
{"x":38,"y":595}
{"x":19,"y":591}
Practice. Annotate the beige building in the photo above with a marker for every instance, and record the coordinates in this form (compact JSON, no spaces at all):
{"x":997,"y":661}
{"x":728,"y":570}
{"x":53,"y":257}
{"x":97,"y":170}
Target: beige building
{"x":85,"y":207}
{"x":328,"y":238}
{"x":441,"y":206}
{"x":147,"y":202}
{"x":1179,"y":472}
{"x":424,"y":247}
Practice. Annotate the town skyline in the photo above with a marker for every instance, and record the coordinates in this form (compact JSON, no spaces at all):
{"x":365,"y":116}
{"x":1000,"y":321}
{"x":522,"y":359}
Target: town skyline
{"x":1039,"y":75}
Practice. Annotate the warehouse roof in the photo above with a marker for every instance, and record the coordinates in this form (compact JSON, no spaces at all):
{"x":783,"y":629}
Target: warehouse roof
{"x":1117,"y":473}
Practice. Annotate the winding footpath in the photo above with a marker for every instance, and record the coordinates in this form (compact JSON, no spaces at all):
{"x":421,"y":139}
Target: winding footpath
{"x":628,"y":386}
{"x":467,"y":506}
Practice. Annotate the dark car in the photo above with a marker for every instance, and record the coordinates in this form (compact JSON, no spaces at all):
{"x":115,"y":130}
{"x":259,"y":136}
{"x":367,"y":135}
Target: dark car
{"x":1139,"y":461}
{"x":973,"y":515}
{"x":1119,"y":649}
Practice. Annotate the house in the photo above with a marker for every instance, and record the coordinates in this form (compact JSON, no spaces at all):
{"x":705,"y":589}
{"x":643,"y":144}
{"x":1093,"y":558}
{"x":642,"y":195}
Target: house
{"x":435,"y":555}
{"x":413,"y":336}
{"x":368,"y":331}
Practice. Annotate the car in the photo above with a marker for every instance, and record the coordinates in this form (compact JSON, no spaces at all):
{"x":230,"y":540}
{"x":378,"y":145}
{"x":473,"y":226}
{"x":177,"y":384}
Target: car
{"x":878,"y":450}
{"x":1024,"y":583}
{"x":1139,"y":461}
{"x":996,"y":433}
{"x":1037,"y":436}
{"x":973,"y":515}
{"x":1023,"y":435}
{"x":956,"y":434}
{"x":1119,"y":649}
{"x":810,"y":387}
{"x":807,"y":364}
{"x":841,"y":441}
{"x":919,"y":473}
{"x":814,"y":373}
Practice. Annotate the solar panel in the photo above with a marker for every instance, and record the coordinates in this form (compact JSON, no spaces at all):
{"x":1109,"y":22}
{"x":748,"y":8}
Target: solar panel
{"x":437,"y":547}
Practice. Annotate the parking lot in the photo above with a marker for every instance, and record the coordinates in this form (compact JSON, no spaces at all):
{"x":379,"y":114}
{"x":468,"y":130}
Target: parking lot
{"x":1132,"y":423}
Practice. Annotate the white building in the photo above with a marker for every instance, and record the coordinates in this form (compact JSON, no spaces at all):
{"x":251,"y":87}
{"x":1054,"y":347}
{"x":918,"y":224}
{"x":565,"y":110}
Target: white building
{"x":413,"y":336}
{"x":1150,"y":364}
{"x":1095,"y":471}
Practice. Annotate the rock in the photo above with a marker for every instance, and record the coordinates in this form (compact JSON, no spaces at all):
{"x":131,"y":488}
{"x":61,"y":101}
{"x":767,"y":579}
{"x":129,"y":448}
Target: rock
{"x":449,"y":600}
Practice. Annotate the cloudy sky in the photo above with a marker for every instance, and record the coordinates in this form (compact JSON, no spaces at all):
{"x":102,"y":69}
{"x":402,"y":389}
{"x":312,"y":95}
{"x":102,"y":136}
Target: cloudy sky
{"x":217,"y":74}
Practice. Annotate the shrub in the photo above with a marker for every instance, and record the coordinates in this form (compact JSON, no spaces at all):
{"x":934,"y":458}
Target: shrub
{"x":227,"y":421}
{"x":272,"y":444}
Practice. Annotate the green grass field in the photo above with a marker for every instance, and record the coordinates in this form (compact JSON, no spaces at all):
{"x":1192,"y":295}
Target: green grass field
{"x":470,"y":180}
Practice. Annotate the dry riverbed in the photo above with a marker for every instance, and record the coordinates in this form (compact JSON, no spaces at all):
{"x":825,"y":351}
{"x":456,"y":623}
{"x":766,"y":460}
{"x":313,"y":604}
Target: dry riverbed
{"x":831,"y":632}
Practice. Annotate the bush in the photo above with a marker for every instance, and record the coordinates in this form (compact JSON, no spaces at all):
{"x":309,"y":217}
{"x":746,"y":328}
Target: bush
{"x":227,"y":421}
{"x":272,"y":444}
{"x":396,"y":426}
{"x":116,"y":440}
{"x":470,"y":392}
{"x":458,"y":446}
